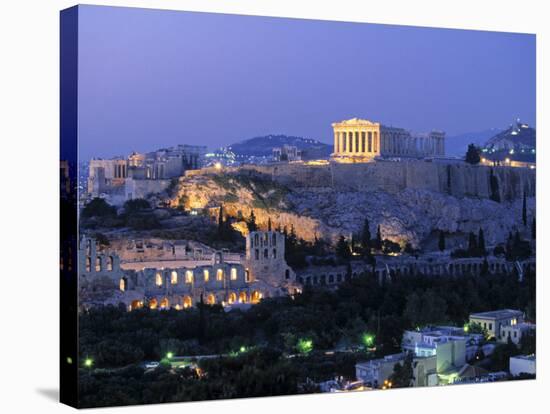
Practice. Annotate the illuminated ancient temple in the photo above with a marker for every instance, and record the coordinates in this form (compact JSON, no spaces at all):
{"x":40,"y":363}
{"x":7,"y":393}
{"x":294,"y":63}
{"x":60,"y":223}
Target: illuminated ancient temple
{"x":360,"y":140}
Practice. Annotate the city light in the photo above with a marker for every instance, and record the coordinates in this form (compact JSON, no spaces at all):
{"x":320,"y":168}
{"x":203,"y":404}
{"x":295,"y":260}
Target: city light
{"x":218,"y":166}
{"x":88,"y":362}
{"x":305,"y":346}
{"x":69,"y":360}
{"x":169,"y":355}
{"x":368,"y":340}
{"x":466,"y":328}
{"x":242,"y":349}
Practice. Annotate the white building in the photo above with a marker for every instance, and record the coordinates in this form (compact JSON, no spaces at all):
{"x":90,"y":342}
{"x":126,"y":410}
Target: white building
{"x":494,"y":321}
{"x":523,"y":364}
{"x":373,"y":373}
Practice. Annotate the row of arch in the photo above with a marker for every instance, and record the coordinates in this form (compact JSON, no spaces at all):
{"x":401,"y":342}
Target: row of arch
{"x":187,"y":301}
{"x":189,"y":276}
{"x":99,"y":266}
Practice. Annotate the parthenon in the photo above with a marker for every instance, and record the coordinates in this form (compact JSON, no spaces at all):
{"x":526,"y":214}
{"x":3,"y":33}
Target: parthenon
{"x":360,"y":140}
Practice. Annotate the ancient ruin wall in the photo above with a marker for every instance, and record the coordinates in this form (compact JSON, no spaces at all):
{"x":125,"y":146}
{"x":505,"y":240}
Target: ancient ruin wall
{"x":459,"y":180}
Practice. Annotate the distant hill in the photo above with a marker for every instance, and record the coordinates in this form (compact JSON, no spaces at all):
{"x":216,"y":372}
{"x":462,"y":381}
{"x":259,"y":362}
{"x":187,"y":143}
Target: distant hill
{"x":518,"y":142}
{"x":458,"y":144}
{"x":263,"y":146}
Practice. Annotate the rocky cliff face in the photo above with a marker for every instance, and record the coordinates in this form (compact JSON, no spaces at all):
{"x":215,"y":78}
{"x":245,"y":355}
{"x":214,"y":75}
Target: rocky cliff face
{"x":404,"y":214}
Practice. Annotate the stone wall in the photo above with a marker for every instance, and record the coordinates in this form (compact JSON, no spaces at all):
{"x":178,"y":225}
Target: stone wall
{"x":459,"y":180}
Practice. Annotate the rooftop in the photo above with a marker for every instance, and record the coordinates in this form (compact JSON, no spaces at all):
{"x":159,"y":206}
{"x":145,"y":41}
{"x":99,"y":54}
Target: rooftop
{"x":532,"y":357}
{"x":497,"y":314}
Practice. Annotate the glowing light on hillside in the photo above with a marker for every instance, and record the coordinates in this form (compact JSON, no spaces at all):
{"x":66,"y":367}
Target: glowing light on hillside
{"x":88,"y":362}
{"x":305,"y":346}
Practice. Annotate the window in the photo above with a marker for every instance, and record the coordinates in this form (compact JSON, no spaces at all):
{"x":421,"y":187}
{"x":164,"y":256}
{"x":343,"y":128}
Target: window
{"x":110,"y":263}
{"x":122,"y":284}
{"x":515,"y":334}
{"x":98,"y":264}
{"x":247,"y":275}
{"x":266,"y":254}
{"x":233,"y":273}
{"x":206,"y":275}
{"x":256,"y":254}
{"x":274,"y":253}
{"x":274,"y":239}
{"x":174,"y":277}
{"x":158,"y":279}
{"x":88,"y":264}
{"x":219,"y":275}
{"x":490,"y":326}
{"x":188,"y":276}
{"x":256,"y":239}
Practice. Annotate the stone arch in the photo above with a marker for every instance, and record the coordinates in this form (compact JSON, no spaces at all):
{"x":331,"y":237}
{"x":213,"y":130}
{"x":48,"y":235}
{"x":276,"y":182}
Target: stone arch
{"x":187,"y":302}
{"x":88,"y":264}
{"x":110,"y":261}
{"x":164,"y":303}
{"x":211,"y":299}
{"x":158,"y":279}
{"x":174,"y":277}
{"x":232,"y":298}
{"x":256,"y":296}
{"x":136,"y":304}
{"x":98,"y":264}
{"x":243,"y":297}
{"x":123,"y":284}
{"x":219,"y":274}
{"x":153,"y":303}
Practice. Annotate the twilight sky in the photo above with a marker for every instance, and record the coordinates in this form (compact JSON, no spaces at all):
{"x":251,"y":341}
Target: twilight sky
{"x":151,"y":78}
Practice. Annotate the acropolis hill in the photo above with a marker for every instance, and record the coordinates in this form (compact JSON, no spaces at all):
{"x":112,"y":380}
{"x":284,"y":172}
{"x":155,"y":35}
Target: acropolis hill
{"x":408,"y":199}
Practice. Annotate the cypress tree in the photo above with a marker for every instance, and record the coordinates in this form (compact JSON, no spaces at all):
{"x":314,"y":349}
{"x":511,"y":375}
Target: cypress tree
{"x":269,"y":224}
{"x":251,"y":223}
{"x":378,"y":238}
{"x":441,"y":243}
{"x":481,"y":241}
{"x":472,"y":243}
{"x":365,"y":235}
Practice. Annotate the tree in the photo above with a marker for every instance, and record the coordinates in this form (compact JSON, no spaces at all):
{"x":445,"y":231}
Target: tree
{"x":269,"y":224}
{"x":524,"y":209}
{"x":378,"y":238}
{"x":441,"y":243}
{"x":484,"y":267}
{"x":251,"y":222}
{"x":98,"y":207}
{"x":402,"y":373}
{"x":365,"y":236}
{"x":136,"y":205}
{"x":481,"y":242}
{"x":472,"y":243}
{"x":472,"y":155}
{"x":343,"y":249}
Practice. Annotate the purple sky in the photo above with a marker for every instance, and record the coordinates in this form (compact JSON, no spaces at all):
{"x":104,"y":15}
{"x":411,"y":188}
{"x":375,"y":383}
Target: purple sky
{"x":151,"y":78}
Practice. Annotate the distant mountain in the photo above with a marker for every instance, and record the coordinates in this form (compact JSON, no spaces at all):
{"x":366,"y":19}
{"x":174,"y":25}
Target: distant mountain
{"x":263,"y":146}
{"x":458,"y":144}
{"x":518,"y":142}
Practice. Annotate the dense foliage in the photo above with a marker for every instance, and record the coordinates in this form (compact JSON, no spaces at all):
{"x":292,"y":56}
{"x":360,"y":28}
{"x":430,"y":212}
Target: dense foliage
{"x":286,"y":339}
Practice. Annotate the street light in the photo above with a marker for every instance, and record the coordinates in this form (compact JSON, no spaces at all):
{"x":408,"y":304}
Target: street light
{"x":169,"y":355}
{"x":88,"y":362}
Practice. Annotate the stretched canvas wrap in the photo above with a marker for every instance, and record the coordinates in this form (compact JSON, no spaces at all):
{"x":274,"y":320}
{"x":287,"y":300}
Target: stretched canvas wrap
{"x":257,"y":206}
